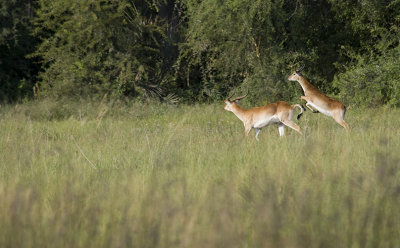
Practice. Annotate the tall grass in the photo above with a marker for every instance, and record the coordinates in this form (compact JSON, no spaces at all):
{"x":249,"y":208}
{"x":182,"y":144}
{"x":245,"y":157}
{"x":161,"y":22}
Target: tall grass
{"x":137,"y":175}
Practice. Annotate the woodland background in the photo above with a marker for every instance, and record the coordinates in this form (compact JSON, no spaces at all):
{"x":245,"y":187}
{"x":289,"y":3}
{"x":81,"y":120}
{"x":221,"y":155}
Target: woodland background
{"x":184,"y":51}
{"x":113,"y":132}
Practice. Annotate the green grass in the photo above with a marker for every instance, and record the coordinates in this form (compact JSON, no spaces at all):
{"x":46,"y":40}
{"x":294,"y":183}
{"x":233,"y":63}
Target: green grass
{"x":136,"y":175}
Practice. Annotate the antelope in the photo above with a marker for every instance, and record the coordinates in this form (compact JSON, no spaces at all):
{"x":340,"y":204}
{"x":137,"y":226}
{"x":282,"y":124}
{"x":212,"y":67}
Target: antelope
{"x":279,"y":113}
{"x":318,"y":102}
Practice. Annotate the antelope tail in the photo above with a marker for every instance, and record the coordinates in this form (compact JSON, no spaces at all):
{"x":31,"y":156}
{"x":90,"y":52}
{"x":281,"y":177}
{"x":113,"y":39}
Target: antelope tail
{"x":301,"y":110}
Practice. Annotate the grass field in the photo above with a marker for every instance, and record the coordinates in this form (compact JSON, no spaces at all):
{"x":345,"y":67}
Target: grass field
{"x":136,"y":175}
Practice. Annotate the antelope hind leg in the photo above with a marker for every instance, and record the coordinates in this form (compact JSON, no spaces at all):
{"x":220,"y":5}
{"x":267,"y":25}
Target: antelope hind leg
{"x":257,"y":132}
{"x":281,"y":129}
{"x":292,"y":125}
{"x":338,"y":118}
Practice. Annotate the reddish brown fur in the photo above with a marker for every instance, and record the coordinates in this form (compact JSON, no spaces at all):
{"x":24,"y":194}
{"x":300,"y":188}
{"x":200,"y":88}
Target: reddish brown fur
{"x":325,"y":104}
{"x":259,"y":117}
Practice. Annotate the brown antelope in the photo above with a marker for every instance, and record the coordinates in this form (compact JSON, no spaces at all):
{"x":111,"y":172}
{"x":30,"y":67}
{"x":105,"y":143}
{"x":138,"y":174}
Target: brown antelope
{"x":319,"y":102}
{"x":280,"y":113}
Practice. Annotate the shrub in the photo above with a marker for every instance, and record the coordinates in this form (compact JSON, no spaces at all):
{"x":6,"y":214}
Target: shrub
{"x":372,"y":82}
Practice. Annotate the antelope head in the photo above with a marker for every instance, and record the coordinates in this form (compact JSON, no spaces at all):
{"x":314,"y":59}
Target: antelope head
{"x":295,"y":76}
{"x":229,"y":103}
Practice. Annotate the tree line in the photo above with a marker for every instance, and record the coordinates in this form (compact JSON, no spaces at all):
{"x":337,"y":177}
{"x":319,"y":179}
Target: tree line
{"x":199,"y":51}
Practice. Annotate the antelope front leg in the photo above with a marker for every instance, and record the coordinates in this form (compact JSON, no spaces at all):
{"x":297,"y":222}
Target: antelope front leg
{"x":301,"y":102}
{"x":247,"y":129}
{"x":312,"y":110}
{"x":307,"y":104}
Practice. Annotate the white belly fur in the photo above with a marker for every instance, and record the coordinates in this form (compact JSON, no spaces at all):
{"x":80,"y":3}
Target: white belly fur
{"x":321,"y":110}
{"x":266,"y":121}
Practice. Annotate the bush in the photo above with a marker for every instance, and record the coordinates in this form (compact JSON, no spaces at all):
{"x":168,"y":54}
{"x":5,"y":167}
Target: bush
{"x":372,"y":82}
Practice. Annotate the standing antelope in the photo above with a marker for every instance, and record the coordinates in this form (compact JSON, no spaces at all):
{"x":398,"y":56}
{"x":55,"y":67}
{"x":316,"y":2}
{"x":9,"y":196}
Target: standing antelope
{"x":319,"y":101}
{"x":280,"y":113}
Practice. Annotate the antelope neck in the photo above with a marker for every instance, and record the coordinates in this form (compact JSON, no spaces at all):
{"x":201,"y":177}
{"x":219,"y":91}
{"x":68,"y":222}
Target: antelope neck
{"x":238,"y":111}
{"x":304,"y":84}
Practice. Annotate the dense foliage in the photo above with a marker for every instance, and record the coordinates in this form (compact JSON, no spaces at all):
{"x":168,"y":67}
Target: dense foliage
{"x":192,"y":50}
{"x":17,"y":72}
{"x":99,"y":47}
{"x":371,"y":77}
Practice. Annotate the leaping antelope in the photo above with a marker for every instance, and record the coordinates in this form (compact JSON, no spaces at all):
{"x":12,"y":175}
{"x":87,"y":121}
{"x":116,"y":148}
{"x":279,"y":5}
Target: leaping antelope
{"x":319,"y":101}
{"x":280,"y":113}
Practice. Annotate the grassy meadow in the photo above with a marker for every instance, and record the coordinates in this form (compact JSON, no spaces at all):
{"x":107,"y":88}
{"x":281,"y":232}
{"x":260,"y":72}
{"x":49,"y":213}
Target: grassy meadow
{"x":152,"y":175}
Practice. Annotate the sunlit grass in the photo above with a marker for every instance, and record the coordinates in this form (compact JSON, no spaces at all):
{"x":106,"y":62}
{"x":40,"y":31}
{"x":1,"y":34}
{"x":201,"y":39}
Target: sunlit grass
{"x":121,"y":175}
